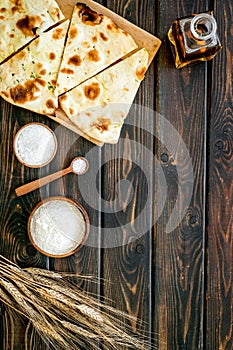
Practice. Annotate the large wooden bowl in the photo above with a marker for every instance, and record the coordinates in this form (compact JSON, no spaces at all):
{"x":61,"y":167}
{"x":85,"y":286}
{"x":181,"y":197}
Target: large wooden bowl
{"x":79,"y":245}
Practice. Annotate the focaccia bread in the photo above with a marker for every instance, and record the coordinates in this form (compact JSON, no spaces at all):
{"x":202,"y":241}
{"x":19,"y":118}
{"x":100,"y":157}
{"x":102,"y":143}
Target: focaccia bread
{"x":94,"y":42}
{"x":28,"y":79}
{"x":99,"y":106}
{"x":22,"y":20}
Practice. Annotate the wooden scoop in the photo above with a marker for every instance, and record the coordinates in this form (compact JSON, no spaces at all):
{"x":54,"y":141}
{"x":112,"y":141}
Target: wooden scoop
{"x":79,"y":166}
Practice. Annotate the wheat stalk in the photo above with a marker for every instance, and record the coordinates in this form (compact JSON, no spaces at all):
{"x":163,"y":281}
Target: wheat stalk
{"x":79,"y":330}
{"x":90,"y":312}
{"x":61,"y":313}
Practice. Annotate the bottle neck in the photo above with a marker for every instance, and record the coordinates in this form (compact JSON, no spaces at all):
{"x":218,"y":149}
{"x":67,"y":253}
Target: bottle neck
{"x":203,"y":26}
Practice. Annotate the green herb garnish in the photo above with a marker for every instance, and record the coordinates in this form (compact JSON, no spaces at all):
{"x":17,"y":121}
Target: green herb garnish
{"x":51,"y":87}
{"x":34,"y":75}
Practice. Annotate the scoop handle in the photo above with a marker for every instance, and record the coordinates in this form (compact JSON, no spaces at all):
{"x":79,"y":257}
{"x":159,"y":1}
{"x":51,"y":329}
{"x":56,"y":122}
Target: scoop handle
{"x":31,"y":186}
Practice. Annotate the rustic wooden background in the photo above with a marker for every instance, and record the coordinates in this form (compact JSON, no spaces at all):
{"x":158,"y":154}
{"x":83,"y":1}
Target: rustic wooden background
{"x":179,"y":283}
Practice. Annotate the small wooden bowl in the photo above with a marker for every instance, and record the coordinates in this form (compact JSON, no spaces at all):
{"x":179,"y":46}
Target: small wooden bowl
{"x":79,"y":245}
{"x":15,"y":145}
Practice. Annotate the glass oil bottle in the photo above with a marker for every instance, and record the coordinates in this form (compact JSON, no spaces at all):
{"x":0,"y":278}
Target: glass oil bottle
{"x":194,"y":38}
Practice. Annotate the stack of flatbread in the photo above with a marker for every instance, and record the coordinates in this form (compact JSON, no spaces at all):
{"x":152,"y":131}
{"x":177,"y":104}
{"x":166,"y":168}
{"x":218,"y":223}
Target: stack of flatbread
{"x":89,"y":67}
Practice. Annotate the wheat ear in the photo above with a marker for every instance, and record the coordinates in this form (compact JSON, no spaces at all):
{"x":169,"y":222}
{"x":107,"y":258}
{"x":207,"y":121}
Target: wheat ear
{"x":65,"y":316}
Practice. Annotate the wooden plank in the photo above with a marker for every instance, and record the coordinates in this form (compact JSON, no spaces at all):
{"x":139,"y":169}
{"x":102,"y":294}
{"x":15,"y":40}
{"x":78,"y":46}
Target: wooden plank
{"x":178,"y":261}
{"x":127,"y":265}
{"x":87,"y":260}
{"x":178,"y":254}
{"x":219,"y":293}
{"x":14,"y":212}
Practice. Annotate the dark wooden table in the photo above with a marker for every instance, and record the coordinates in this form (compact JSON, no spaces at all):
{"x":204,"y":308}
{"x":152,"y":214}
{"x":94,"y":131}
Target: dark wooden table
{"x":179,"y":282}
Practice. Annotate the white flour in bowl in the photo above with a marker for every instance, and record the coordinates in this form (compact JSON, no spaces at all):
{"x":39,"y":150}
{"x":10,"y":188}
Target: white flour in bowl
{"x":57,"y":227}
{"x":35,"y":144}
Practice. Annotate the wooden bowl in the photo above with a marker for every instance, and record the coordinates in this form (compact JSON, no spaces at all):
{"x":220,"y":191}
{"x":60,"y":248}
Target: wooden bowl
{"x":75,"y":206}
{"x":16,"y":151}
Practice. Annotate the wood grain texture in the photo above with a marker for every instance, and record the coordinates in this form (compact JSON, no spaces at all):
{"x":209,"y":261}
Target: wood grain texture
{"x":70,"y":145}
{"x":128,"y":265}
{"x":178,"y":255}
{"x":87,"y":261}
{"x":219,"y":317}
{"x":14,"y":213}
{"x":178,"y":285}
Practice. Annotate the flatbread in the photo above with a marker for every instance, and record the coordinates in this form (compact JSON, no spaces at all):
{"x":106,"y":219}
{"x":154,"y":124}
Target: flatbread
{"x":94,"y":42}
{"x":23,"y":20}
{"x":28,"y":79}
{"x":99,"y":106}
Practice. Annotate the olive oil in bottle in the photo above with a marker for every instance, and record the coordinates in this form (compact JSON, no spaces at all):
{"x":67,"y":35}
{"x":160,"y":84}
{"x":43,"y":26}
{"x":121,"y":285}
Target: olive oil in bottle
{"x":194,"y":38}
